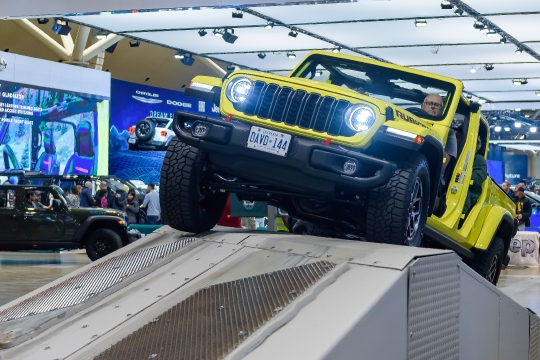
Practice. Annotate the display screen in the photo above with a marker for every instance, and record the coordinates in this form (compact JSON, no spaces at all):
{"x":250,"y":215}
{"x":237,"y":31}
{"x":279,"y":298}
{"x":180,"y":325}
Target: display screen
{"x":52,"y":131}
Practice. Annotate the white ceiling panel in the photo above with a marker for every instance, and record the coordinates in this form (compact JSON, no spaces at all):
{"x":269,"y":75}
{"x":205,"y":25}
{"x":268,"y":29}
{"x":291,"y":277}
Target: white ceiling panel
{"x":168,"y":20}
{"x":277,"y":61}
{"x":363,"y":9}
{"x":500,"y":85}
{"x":500,"y":6}
{"x":522,"y":27}
{"x":511,"y":106}
{"x":249,"y":39}
{"x":452,"y":54}
{"x":509,"y":96}
{"x":437,"y":31}
{"x":500,"y":71}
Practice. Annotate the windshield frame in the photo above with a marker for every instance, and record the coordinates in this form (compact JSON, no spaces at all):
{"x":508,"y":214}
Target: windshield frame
{"x":451,"y":86}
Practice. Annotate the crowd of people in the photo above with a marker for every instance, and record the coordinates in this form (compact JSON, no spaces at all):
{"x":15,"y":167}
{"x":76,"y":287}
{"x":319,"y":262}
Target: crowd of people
{"x":523,"y":204}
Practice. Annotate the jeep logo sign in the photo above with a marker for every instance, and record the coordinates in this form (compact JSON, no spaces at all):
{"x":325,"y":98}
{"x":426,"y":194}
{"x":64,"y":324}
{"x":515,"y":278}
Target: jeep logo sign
{"x":525,"y":246}
{"x":179,"y":103}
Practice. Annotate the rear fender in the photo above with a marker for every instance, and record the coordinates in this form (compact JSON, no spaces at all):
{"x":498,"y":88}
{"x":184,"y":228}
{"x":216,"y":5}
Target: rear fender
{"x":498,"y":222}
{"x":99,"y":222}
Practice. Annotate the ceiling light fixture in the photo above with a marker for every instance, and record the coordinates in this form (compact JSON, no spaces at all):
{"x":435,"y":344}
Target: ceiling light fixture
{"x":230,"y":37}
{"x":497,"y":128}
{"x":291,"y":55}
{"x":484,"y":30}
{"x":293,"y":34}
{"x":537,"y":93}
{"x":517,"y":110}
{"x":489,"y":67}
{"x":42,"y":21}
{"x":269,"y":25}
{"x":478,"y":25}
{"x":219,"y":32}
{"x":261,"y":55}
{"x":202,"y":33}
{"x":520,"y":81}
{"x":188,"y":60}
{"x":481,"y":101}
{"x":102,"y":35}
{"x":134,"y":43}
{"x":61,"y":27}
{"x":318,"y":73}
{"x":533,"y":129}
{"x":420,"y":22}
{"x":179,"y":55}
{"x":517,"y":124}
{"x":503,"y":40}
{"x":336,"y":50}
{"x":491,"y":32}
{"x":446,"y":5}
{"x":519,"y":51}
{"x":237,"y":14}
{"x":473,"y":69}
{"x":458,"y":12}
{"x":507,"y":128}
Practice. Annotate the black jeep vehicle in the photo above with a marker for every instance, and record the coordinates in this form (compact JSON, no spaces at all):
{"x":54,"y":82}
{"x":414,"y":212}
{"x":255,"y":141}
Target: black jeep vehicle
{"x":57,"y":226}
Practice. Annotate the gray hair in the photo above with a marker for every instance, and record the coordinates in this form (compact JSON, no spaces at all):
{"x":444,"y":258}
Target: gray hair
{"x":88,"y":184}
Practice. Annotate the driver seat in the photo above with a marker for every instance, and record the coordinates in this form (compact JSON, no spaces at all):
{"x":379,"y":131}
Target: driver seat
{"x":47,"y":162}
{"x":82,"y":160}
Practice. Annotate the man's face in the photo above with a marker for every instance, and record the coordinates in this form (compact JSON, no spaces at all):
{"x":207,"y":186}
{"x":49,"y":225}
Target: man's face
{"x":103,"y":186}
{"x":148,"y":188}
{"x":505,"y":186}
{"x":519,"y":194}
{"x":522,"y":184}
{"x":432,"y":105}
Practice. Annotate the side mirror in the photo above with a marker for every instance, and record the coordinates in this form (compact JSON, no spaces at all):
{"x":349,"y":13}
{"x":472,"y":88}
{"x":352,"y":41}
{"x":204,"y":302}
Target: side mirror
{"x":56,"y":205}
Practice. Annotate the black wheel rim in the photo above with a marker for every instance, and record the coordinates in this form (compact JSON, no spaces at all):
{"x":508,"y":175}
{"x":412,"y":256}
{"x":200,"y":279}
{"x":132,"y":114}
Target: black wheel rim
{"x":102,"y":245}
{"x":492,"y":271}
{"x":415,"y":212}
{"x":143,"y":129}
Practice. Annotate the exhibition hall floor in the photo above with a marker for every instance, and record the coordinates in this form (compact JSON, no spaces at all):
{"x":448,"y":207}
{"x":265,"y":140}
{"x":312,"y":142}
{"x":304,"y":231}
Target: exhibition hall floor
{"x":22,"y":272}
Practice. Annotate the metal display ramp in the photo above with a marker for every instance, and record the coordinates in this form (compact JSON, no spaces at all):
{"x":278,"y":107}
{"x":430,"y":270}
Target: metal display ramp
{"x":254,"y":295}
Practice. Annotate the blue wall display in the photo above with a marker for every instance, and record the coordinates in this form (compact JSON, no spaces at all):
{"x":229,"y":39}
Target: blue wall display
{"x":131,"y":103}
{"x":496,"y":170}
{"x":515,"y":167}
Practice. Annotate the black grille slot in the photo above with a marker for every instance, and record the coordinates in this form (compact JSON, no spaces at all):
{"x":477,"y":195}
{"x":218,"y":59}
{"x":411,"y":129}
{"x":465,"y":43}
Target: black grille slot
{"x":297,"y":108}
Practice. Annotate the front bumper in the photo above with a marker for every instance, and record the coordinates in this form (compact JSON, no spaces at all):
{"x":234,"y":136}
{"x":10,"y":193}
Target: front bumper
{"x":310,"y":167}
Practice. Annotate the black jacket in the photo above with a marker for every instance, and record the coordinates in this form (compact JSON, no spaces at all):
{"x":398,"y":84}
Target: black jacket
{"x":86,"y":198}
{"x":523,"y":207}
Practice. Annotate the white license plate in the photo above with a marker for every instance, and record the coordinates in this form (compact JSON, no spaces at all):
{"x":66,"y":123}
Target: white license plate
{"x":269,"y":141}
{"x":132,"y":141}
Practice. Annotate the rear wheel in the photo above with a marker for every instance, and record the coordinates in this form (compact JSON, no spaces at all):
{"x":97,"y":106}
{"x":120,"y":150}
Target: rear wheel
{"x":102,"y":242}
{"x":144,"y":130}
{"x":183,"y":206}
{"x":397,"y":211}
{"x":488,"y":264}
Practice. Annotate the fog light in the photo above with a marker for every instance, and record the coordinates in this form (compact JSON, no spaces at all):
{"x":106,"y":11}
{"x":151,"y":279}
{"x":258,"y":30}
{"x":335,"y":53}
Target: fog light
{"x":200,"y":130}
{"x":350,"y":167}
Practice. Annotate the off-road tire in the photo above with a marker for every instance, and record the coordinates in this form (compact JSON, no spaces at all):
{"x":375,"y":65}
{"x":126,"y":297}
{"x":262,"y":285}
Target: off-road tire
{"x":488,"y":264}
{"x":149,"y":134}
{"x":102,"y":242}
{"x":389,"y":206}
{"x":180,"y":195}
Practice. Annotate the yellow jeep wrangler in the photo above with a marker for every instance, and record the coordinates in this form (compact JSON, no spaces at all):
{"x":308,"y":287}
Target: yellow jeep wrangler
{"x":341,"y":142}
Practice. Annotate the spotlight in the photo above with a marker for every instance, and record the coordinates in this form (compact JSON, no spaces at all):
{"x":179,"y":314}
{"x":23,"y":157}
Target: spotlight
{"x":179,"y":55}
{"x":101,"y":35}
{"x":230,"y":37}
{"x":261,"y":55}
{"x":188,"y":60}
{"x":517,"y":124}
{"x":111,"y":48}
{"x":517,"y":110}
{"x":202,"y":33}
{"x":506,"y":128}
{"x":61,"y":27}
{"x":269,"y":25}
{"x":291,"y":55}
{"x":481,"y":101}
{"x":219,"y":32}
{"x":519,"y":51}
{"x":478,"y":25}
{"x":484,"y":30}
{"x":533,"y":129}
{"x":473,"y":69}
{"x":336,"y":50}
{"x":537,"y":93}
{"x":491,"y":32}
{"x":503,"y":40}
{"x":293,"y":34}
{"x":446,"y":5}
{"x":237,"y":14}
{"x":458,"y":12}
{"x":420,"y":22}
{"x":318,"y":73}
{"x":469,"y":96}
{"x":134,"y":43}
{"x":497,"y":128}
{"x":520,"y":81}
{"x":42,"y":21}
{"x":489,"y":67}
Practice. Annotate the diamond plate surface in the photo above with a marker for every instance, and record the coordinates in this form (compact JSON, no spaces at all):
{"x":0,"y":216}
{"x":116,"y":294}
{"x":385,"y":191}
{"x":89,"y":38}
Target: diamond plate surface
{"x":215,"y":320}
{"x":534,"y":336}
{"x":91,"y":282}
{"x":433,"y":316}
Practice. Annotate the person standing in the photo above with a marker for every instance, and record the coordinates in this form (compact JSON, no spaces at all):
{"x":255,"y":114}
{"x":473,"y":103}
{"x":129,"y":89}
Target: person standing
{"x":130,"y":205}
{"x":523,"y":209}
{"x":74,"y":197}
{"x":87,"y":199}
{"x":151,"y":199}
{"x":506,"y":187}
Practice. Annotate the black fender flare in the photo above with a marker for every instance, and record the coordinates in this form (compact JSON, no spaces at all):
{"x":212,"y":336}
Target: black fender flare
{"x":92,"y":220}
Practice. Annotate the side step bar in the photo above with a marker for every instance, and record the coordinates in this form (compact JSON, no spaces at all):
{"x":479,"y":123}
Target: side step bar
{"x":447,"y":242}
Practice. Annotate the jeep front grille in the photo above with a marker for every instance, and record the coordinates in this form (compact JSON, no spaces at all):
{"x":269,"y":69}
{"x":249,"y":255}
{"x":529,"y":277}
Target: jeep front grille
{"x":322,"y":114}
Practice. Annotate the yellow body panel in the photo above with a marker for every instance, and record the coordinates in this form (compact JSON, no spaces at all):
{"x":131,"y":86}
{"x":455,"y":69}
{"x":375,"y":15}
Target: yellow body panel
{"x":484,"y":218}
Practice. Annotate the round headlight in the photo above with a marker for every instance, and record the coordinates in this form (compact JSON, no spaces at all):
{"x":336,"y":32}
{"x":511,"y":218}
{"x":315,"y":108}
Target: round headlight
{"x":360,"y":117}
{"x":239,"y":89}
